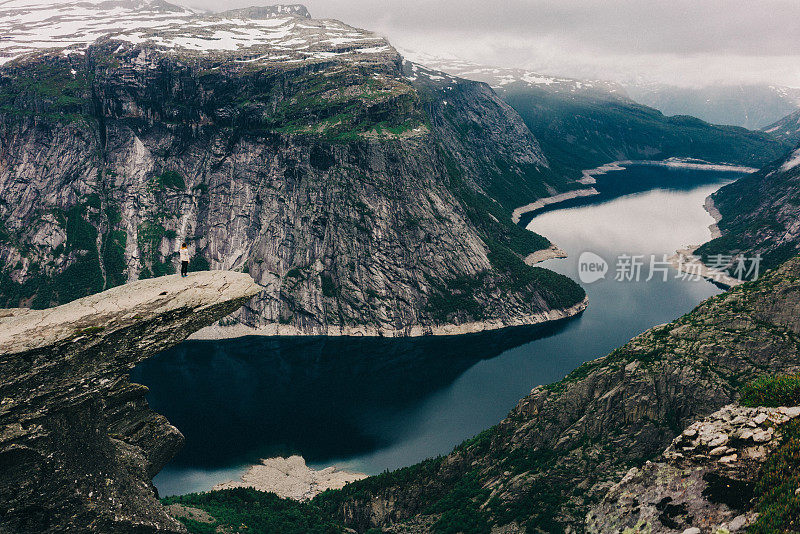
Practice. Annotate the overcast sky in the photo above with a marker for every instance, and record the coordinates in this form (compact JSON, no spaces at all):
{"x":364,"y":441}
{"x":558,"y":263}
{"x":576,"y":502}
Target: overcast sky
{"x":686,"y":42}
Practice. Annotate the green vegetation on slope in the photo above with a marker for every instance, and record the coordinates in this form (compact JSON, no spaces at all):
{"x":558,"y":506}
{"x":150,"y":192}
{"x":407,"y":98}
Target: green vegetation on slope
{"x":82,"y":275}
{"x":772,"y":391}
{"x":515,"y":175}
{"x":46,"y":88}
{"x":777,"y":502}
{"x":582,"y":131}
{"x":171,"y":180}
{"x":776,"y":499}
{"x":343,"y":104}
{"x":255,"y":512}
{"x":759,"y":212}
{"x":508,"y":244}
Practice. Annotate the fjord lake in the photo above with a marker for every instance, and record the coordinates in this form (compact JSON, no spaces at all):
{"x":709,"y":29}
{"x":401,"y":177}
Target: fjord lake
{"x":371,"y":404}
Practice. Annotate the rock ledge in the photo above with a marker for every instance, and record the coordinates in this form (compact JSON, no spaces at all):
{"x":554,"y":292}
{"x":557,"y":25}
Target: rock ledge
{"x":79,"y":445}
{"x":703,"y":483}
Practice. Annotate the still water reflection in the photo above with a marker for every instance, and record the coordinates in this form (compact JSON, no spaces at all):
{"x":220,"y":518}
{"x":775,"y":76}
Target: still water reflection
{"x":375,"y":404}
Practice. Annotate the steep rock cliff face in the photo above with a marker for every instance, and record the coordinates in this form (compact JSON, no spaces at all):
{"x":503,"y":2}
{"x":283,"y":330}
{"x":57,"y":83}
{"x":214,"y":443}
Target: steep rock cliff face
{"x":78,"y":443}
{"x":336,"y":181}
{"x":565,"y":444}
{"x":758,"y":216}
{"x":486,"y":137}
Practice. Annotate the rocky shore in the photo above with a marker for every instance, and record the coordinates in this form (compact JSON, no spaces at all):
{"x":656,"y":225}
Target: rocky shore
{"x":714,"y":212}
{"x":555,"y":199}
{"x":686,"y":261}
{"x":291,"y":478}
{"x":588,"y":176}
{"x":545,"y":254}
{"x":675,"y":163}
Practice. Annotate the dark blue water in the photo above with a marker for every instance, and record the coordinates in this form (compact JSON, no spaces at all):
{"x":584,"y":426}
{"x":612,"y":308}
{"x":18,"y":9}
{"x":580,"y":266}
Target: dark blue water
{"x":375,"y":404}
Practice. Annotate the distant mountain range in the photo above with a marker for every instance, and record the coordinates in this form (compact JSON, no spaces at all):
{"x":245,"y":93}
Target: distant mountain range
{"x":500,"y":78}
{"x":581,"y":124}
{"x":749,"y":106}
{"x":786,"y":129}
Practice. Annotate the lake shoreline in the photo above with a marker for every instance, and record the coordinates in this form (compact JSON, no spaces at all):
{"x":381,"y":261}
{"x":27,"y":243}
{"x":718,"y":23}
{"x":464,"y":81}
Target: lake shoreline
{"x":291,"y":478}
{"x":539,"y":256}
{"x":219,"y":332}
{"x":517,"y":214}
{"x":368,"y":404}
{"x":588,"y":178}
{"x":685,"y":259}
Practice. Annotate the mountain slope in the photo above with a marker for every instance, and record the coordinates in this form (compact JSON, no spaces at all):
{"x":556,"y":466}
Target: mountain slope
{"x":582,"y":124}
{"x":748,"y":106}
{"x":466,"y":116}
{"x":292,"y":148}
{"x":759,"y":215}
{"x":786,"y":129}
{"x":587,"y":129}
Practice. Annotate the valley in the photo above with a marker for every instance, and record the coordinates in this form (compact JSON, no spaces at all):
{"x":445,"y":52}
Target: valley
{"x":367,"y":405}
{"x":425,"y":295}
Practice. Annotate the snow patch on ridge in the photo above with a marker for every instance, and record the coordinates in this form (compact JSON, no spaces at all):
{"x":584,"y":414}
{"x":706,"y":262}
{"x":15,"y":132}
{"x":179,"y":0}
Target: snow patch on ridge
{"x":499,"y":78}
{"x":29,"y":26}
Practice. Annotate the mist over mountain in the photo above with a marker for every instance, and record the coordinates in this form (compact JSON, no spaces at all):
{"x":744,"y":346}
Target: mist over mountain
{"x":750,"y":106}
{"x":338,"y":188}
{"x":586,"y":123}
{"x":684,"y":43}
{"x":786,"y":129}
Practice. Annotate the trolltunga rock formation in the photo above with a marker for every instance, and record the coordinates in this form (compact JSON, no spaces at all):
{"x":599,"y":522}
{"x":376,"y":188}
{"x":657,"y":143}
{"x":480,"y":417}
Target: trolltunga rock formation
{"x":79,"y":445}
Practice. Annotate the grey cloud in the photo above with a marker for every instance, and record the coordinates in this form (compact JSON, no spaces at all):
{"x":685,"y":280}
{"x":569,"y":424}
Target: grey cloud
{"x":667,"y":40}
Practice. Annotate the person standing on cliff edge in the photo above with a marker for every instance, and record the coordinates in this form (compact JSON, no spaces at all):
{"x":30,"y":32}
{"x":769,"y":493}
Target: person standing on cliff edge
{"x":184,"y":260}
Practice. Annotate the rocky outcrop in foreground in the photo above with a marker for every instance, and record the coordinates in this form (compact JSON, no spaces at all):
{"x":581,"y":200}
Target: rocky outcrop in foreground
{"x":704,"y":480}
{"x":78,"y":442}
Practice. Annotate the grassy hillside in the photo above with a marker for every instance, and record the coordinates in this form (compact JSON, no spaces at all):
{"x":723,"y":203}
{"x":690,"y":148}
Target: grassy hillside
{"x":759,"y":215}
{"x":582,"y":130}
